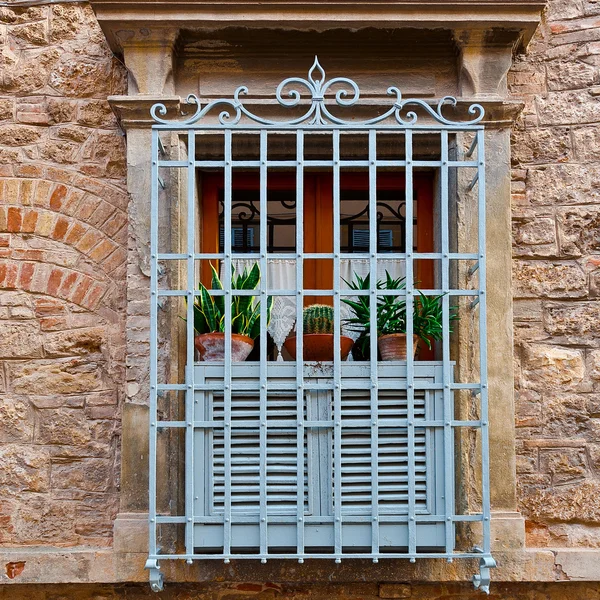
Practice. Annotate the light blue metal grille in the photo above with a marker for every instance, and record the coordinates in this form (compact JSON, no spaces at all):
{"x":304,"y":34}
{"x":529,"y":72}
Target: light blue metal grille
{"x":270,"y":446}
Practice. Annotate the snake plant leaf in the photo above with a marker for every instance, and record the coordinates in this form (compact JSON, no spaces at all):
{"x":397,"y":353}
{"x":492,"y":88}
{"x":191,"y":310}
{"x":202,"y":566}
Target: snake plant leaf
{"x":209,"y":309}
{"x":217,"y":285}
{"x":254,"y":322}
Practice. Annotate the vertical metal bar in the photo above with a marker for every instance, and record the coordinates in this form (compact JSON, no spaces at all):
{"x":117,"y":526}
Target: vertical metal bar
{"x":227,"y":513}
{"x":410,"y":388}
{"x":374,"y":389}
{"x":153,"y":344}
{"x":299,"y":361}
{"x":485,"y":476}
{"x":189,"y":368}
{"x":446,"y":366}
{"x":263,"y":345}
{"x":337,"y":358}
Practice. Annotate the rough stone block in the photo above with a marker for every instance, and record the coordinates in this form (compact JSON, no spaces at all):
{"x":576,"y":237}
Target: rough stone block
{"x":564,"y":465}
{"x":579,"y":321}
{"x":89,"y":474}
{"x":543,"y":279}
{"x":563,"y":184}
{"x":63,"y":426}
{"x":577,"y":502}
{"x":571,"y":75}
{"x":579,"y":230}
{"x":77,"y":342}
{"x":533,"y":146}
{"x":587,"y":142}
{"x":549,"y":366}
{"x":20,"y":340}
{"x":24,"y":469}
{"x":567,"y":108}
{"x":534,"y":235}
{"x":16,"y":420}
{"x":56,"y":377}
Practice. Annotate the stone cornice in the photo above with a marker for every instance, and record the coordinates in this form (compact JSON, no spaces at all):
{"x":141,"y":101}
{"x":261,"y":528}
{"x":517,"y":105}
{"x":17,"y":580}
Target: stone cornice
{"x":518,"y":16}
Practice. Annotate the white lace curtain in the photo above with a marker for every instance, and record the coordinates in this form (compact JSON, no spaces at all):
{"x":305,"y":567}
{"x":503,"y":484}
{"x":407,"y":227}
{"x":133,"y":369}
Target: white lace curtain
{"x":281,"y":275}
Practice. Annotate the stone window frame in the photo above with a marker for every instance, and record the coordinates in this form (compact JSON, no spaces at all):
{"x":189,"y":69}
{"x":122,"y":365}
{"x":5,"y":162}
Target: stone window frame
{"x":486,"y":34}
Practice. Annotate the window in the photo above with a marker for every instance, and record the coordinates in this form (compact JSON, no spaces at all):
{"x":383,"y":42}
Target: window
{"x":288,"y":456}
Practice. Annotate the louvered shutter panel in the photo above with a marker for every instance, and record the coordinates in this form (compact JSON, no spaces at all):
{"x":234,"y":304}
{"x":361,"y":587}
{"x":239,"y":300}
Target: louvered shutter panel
{"x":392,"y":459}
{"x":282,"y":469}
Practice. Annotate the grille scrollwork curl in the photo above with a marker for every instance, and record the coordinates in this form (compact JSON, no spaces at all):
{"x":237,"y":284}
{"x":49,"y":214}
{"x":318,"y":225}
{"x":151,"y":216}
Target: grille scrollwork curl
{"x":290,"y":93}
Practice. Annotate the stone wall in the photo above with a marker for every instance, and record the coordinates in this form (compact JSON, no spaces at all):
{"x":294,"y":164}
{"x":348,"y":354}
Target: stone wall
{"x":556,"y":211}
{"x":63,"y":233}
{"x":271,"y":591}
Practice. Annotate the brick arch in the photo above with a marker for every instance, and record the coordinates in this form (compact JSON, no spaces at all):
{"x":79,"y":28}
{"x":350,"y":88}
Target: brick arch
{"x":58,"y":282}
{"x":89,"y":224}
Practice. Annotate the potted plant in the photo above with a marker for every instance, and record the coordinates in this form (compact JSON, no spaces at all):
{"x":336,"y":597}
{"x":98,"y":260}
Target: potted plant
{"x":392,"y":318}
{"x":209,"y":317}
{"x":317,"y":335}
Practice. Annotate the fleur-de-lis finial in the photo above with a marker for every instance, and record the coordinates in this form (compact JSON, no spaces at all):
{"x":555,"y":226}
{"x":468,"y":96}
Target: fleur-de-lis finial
{"x":317,"y":67}
{"x":404,"y":113}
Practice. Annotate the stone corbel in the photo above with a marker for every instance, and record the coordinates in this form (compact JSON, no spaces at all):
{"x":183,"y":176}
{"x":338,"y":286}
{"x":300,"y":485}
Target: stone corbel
{"x":485,"y":59}
{"x":148,"y":55}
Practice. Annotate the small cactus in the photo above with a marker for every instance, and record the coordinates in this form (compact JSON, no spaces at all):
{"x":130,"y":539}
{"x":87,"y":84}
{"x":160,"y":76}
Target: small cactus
{"x":317,"y":318}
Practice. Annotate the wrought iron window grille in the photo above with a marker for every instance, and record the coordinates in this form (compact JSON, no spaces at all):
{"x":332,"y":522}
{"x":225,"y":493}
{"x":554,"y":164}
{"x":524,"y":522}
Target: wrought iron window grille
{"x":297,"y":427}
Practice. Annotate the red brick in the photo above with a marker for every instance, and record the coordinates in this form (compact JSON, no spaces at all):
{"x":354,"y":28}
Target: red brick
{"x":14,"y":219}
{"x":115,"y":260}
{"x":12,"y":272}
{"x":89,"y":240}
{"x":102,"y":250}
{"x":60,"y":175}
{"x":28,"y":254}
{"x":101,"y":214}
{"x":26,"y":275}
{"x":54,"y":281}
{"x":67,"y":284}
{"x":80,"y":291}
{"x":70,"y":203}
{"x":29,"y":221}
{"x":53,"y":323}
{"x":48,"y":306}
{"x":60,"y":229}
{"x":86,"y":207}
{"x":75,"y":234}
{"x":57,"y":197}
{"x":4,"y":240}
{"x":33,"y":171}
{"x":94,"y":295}
{"x":3,"y":269}
{"x":26,"y":192}
{"x":114,"y":223}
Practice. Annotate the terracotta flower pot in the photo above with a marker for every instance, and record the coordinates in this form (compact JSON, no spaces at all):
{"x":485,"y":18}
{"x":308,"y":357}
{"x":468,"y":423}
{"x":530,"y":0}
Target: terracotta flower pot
{"x":211,"y":347}
{"x":393,"y":346}
{"x":318,"y":347}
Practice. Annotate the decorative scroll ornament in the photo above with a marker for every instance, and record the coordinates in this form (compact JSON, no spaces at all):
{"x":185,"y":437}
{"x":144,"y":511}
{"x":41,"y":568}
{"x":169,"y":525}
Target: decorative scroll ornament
{"x":318,"y":113}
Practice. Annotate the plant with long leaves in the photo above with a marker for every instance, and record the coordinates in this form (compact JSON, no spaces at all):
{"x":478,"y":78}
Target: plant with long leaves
{"x":209,"y":310}
{"x":392,"y":313}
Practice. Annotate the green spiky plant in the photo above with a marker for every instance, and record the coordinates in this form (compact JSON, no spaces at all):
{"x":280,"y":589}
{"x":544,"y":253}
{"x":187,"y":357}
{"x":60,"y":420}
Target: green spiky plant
{"x":209,"y":310}
{"x":391,"y":313}
{"x":317,"y":318}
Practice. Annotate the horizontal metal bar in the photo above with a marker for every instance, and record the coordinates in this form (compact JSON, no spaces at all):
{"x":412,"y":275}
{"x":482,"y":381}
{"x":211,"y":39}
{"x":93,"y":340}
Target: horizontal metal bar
{"x":315,"y":556}
{"x":242,"y":519}
{"x":320,"y":128}
{"x":382,"y":257}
